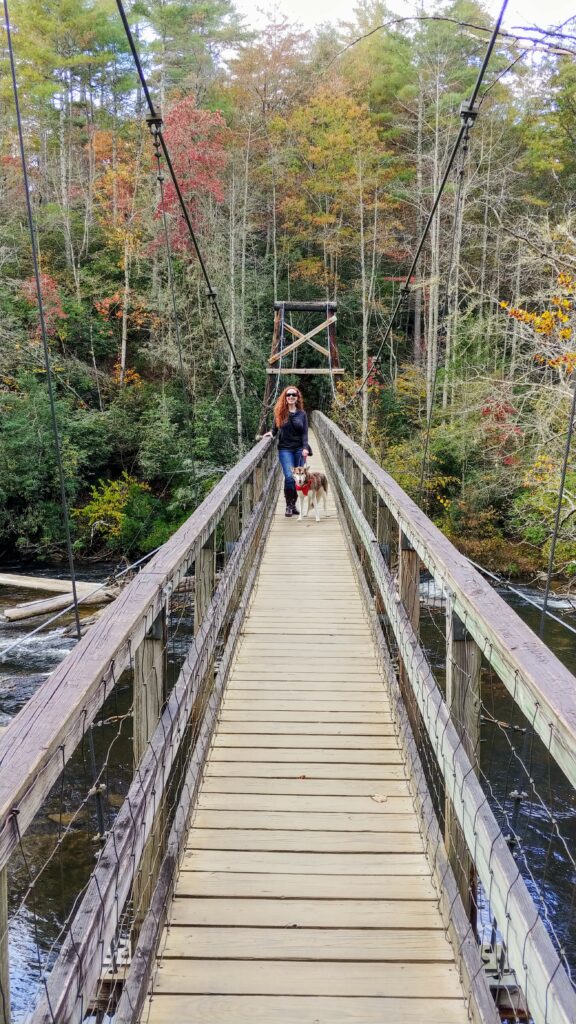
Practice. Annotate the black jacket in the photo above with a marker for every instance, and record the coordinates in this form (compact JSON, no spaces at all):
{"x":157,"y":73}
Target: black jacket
{"x":294,"y":434}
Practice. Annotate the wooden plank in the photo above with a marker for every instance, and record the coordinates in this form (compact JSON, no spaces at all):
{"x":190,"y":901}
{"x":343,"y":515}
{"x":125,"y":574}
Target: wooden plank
{"x":235,"y":1009}
{"x":372,"y":803}
{"x":255,"y":741}
{"x":336,"y":913}
{"x":294,"y":717}
{"x":329,"y":626}
{"x":306,"y":770}
{"x":269,"y":728}
{"x":307,"y":821}
{"x":307,"y":756}
{"x":317,"y":645}
{"x":325,"y":663}
{"x":300,"y":841}
{"x":304,"y":786}
{"x":229,"y":885}
{"x":316,"y":700}
{"x":278,"y":675}
{"x":296,"y":863}
{"x":289,"y":978}
{"x":376,"y":945}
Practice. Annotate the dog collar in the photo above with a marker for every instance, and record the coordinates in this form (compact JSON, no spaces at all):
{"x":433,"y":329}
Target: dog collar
{"x":305,"y":488}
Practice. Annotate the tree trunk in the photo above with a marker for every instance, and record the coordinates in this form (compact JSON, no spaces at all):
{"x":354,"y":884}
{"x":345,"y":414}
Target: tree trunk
{"x":125,"y":305}
{"x":232,"y":321}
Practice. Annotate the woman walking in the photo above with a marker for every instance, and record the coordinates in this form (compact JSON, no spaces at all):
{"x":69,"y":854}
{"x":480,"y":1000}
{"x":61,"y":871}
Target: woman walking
{"x":291,"y":425}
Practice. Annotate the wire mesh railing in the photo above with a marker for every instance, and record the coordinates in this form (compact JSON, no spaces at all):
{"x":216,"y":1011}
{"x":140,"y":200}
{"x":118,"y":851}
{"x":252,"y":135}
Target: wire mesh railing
{"x":100,"y":768}
{"x":487,"y":719}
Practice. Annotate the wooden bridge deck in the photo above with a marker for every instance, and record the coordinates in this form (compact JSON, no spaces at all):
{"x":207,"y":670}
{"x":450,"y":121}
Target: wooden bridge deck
{"x":304,"y":894}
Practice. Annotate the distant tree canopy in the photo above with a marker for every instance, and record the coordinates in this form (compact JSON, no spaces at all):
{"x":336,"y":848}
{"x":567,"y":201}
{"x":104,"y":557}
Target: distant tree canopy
{"x":309,"y":164}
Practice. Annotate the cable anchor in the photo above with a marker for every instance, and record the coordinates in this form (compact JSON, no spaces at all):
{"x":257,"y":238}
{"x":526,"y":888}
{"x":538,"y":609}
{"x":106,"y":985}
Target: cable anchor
{"x":468,"y":113}
{"x":154,"y":123}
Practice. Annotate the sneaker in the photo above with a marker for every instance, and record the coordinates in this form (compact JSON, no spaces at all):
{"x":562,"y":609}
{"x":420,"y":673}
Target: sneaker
{"x":289,"y":511}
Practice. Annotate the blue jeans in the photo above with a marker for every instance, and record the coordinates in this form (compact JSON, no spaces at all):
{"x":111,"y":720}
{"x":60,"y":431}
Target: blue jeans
{"x":288,"y":461}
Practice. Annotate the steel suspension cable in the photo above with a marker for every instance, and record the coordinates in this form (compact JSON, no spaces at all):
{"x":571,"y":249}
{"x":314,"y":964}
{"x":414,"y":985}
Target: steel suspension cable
{"x":524,"y":597}
{"x":176,"y":320}
{"x":455,"y":228}
{"x":156,"y":121}
{"x":42,"y":319}
{"x":468,"y":115}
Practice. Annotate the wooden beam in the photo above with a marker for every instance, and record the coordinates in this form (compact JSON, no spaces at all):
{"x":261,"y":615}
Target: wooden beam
{"x":298,"y":370}
{"x":306,"y":307}
{"x":314,"y":344}
{"x":302,"y":338}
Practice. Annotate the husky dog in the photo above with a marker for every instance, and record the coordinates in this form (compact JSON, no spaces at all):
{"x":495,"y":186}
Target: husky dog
{"x":311,"y":486}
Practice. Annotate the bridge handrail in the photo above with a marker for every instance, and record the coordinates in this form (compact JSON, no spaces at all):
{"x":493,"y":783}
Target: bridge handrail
{"x":532,"y":956}
{"x":43,"y":736}
{"x":536,"y":679}
{"x":74,"y":976}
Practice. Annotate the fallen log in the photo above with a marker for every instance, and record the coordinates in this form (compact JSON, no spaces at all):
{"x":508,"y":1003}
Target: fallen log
{"x":51,"y":586}
{"x":31,"y":609}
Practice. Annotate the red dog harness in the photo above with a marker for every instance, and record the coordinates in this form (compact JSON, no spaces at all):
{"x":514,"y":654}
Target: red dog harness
{"x":305,"y":488}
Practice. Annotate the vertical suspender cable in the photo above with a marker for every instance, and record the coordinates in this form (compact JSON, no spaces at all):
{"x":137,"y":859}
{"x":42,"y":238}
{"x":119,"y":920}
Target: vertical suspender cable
{"x":54,"y":418}
{"x":43,"y":330}
{"x":155,"y":118}
{"x":468,"y":115}
{"x":558,"y":512}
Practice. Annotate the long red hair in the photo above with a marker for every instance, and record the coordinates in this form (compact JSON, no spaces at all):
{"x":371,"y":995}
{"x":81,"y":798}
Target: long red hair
{"x":281,"y":411}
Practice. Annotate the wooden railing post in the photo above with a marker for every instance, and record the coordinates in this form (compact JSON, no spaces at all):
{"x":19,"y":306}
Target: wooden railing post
{"x":258,"y":482}
{"x":5,"y":1015}
{"x":385,"y":530}
{"x":409,"y":590}
{"x":150,"y":665}
{"x":463,"y":669}
{"x":231,"y":522}
{"x":205,"y":575}
{"x":149,"y":683}
{"x":247,"y":500}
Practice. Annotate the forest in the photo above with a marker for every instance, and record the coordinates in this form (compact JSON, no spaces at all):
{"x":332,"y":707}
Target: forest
{"x":309,"y":163}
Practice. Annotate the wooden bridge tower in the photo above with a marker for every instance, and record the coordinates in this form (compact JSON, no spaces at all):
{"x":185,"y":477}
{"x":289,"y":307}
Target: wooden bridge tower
{"x":280,"y":348}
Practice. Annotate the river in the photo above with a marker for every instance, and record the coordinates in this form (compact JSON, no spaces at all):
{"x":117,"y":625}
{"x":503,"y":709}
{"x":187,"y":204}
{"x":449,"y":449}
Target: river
{"x":39,"y":924}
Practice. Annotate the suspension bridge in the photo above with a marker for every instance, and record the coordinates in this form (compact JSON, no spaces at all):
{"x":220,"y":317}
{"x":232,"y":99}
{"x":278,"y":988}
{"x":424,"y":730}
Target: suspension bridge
{"x":309,"y":832}
{"x":310,"y":829}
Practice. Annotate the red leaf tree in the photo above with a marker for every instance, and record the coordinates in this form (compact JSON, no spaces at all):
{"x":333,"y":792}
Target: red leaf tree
{"x":196,"y":140}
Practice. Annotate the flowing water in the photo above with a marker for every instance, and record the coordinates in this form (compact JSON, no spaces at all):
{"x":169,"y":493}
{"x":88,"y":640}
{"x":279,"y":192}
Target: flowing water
{"x":39,"y":921}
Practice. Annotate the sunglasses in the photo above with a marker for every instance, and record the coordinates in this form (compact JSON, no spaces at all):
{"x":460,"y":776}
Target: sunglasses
{"x":291,"y":394}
